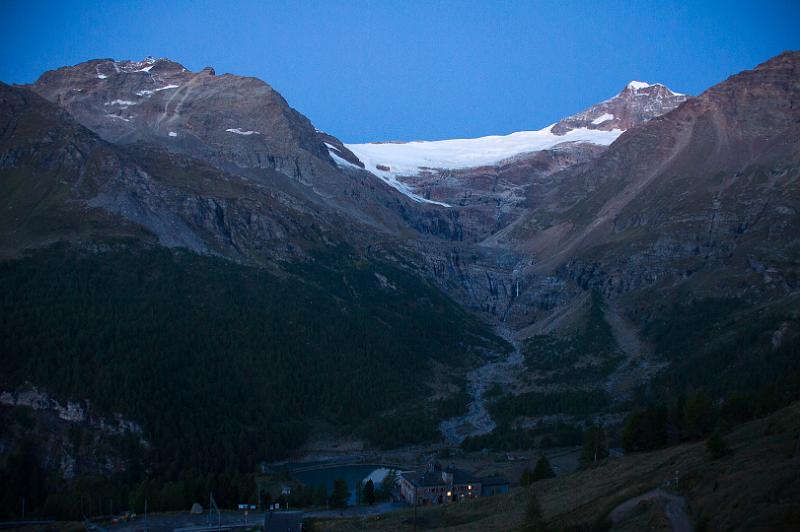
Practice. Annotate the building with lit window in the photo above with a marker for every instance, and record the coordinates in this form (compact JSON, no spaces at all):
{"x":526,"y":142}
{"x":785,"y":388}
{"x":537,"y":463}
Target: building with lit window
{"x":438,"y":485}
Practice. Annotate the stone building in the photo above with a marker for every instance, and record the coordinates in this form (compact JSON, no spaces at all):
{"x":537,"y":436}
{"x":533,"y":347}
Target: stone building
{"x":438,"y":485}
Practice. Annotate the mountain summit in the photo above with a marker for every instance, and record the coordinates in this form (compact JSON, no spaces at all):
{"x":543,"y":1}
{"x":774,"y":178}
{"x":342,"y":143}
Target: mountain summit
{"x":404,"y":165}
{"x":637,"y":103}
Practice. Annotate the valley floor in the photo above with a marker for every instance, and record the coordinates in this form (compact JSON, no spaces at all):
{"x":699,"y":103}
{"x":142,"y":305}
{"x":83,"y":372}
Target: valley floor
{"x":755,"y":487}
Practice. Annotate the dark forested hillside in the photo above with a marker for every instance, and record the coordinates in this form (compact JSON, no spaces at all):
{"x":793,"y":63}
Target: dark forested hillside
{"x":224,"y":365}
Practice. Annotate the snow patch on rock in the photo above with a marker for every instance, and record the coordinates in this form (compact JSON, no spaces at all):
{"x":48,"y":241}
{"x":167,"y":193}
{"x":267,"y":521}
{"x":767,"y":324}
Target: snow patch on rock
{"x":605,"y":117}
{"x":343,"y":163}
{"x":241,"y":132}
{"x":125,"y":103}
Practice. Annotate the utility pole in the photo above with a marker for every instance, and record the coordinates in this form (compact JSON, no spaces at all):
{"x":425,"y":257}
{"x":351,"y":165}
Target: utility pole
{"x":23,"y":508}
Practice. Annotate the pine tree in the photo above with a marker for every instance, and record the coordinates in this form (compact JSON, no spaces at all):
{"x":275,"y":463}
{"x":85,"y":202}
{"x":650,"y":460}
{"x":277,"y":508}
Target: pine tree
{"x":698,"y":415}
{"x":533,"y":513}
{"x":526,"y":478}
{"x":321,"y":495}
{"x":716,"y":446}
{"x":340,"y":494}
{"x":542,"y":469}
{"x":389,"y":482}
{"x":369,"y":492}
{"x":631,"y":433}
{"x":358,"y":486}
{"x":595,"y":447}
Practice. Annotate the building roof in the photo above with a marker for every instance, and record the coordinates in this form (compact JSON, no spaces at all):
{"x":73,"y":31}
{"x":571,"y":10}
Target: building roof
{"x":424,"y":479}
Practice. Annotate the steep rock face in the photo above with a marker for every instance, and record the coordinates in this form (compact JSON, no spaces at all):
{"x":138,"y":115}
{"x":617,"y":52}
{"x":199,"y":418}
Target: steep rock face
{"x":489,"y":198}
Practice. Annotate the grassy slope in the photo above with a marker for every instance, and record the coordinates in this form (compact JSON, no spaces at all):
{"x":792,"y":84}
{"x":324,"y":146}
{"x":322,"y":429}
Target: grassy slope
{"x":756,"y":487}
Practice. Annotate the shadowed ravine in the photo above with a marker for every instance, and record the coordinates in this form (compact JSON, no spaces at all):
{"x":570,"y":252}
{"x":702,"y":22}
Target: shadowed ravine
{"x":478,"y":420}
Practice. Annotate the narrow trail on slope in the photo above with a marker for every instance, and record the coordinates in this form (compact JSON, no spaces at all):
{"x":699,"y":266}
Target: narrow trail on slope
{"x":478,"y":420}
{"x":639,"y":364}
{"x":674,"y":509}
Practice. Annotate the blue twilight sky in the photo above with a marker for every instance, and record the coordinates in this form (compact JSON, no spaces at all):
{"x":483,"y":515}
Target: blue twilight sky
{"x":379,"y":70}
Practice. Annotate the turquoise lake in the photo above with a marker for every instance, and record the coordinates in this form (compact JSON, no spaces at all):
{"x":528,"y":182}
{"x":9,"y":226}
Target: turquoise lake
{"x":352,"y":474}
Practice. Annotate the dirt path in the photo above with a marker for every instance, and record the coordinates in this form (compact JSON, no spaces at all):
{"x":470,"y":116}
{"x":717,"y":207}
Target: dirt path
{"x":674,"y":508}
{"x":639,"y":364}
{"x":478,"y":420}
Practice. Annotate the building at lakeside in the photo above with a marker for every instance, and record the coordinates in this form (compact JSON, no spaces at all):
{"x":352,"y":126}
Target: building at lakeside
{"x":438,"y":485}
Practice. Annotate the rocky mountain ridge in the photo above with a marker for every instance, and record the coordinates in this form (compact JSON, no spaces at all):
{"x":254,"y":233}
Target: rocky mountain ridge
{"x":492,"y":194}
{"x":691,"y":198}
{"x":698,"y":196}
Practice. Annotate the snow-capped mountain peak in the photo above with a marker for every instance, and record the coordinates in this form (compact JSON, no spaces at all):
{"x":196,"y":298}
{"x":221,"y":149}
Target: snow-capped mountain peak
{"x":636,"y":85}
{"x":600,"y":125}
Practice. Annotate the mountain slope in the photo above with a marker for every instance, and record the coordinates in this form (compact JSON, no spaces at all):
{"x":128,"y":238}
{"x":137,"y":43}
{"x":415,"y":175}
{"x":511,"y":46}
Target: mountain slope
{"x":63,"y":182}
{"x":217,"y":313}
{"x":689,"y":226}
{"x":239,"y":125}
{"x":668,"y":258}
{"x":697,"y":166}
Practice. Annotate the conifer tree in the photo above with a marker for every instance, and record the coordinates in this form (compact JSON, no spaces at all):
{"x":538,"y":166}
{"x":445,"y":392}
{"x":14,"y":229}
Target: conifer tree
{"x":595,"y":447}
{"x":369,"y":492}
{"x":542,"y":469}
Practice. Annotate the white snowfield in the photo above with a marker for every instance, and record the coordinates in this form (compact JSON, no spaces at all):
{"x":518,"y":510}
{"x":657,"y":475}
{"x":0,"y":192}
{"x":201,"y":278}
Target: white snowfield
{"x":407,"y":159}
{"x":411,"y":158}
